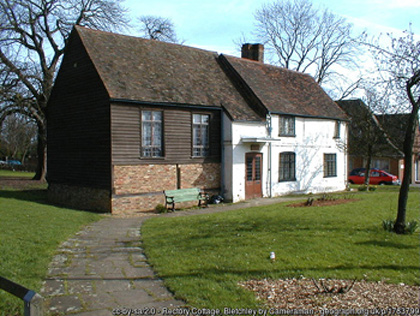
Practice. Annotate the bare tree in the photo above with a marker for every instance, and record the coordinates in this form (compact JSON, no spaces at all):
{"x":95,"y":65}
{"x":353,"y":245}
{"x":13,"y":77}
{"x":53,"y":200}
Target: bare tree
{"x":399,"y":66}
{"x":33,"y":35}
{"x":18,"y":134}
{"x":305,"y":38}
{"x":157,"y":28}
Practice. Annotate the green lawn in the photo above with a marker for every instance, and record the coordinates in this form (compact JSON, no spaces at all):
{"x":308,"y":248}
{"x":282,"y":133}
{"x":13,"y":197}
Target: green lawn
{"x":202,"y":258}
{"x":17,"y":174}
{"x":30,"y":233}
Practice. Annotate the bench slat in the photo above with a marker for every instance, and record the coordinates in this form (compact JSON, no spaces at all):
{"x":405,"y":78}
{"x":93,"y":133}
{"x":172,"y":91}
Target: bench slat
{"x":182,"y":192}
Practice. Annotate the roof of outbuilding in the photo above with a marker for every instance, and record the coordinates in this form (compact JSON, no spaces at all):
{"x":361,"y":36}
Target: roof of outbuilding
{"x":141,"y":70}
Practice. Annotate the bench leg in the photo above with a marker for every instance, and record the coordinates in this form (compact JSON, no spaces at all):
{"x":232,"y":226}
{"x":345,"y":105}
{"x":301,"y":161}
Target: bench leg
{"x":172,"y":206}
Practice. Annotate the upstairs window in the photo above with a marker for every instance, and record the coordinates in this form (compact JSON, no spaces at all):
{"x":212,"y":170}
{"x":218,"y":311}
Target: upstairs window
{"x":287,"y":170}
{"x":200,"y":135}
{"x":337,"y":131}
{"x":287,"y":126}
{"x":151,"y":136}
{"x":330,"y":165}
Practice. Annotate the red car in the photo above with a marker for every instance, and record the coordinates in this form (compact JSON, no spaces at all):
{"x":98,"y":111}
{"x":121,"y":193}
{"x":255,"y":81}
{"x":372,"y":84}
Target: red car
{"x":377,"y":177}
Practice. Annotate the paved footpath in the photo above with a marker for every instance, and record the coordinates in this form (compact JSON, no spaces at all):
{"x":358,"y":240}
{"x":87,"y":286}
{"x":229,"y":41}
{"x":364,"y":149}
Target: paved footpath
{"x":103,"y":268}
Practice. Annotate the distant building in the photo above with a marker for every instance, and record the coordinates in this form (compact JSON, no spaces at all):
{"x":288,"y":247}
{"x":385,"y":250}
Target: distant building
{"x":386,"y":157}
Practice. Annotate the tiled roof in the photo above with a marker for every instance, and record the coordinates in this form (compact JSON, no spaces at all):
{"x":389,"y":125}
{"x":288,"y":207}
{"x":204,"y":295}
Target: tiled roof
{"x":285,"y":91}
{"x":143,"y":70}
{"x":392,"y":125}
{"x":396,"y":125}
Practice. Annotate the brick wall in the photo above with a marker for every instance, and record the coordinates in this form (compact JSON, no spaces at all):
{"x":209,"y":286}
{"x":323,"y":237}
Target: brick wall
{"x":205,"y":176}
{"x":139,"y":188}
{"x":83,"y":198}
{"x":144,"y":178}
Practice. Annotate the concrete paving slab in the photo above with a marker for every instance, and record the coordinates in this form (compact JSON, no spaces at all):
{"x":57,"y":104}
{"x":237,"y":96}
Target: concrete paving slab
{"x":65,"y":304}
{"x":97,"y":301}
{"x":109,"y":286}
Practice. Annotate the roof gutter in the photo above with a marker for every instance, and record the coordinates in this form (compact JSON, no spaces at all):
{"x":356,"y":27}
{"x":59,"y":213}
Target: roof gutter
{"x":178,"y":105}
{"x":311,"y":116}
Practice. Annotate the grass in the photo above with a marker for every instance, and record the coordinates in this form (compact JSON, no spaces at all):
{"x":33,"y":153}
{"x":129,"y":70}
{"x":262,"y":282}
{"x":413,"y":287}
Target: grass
{"x":203,"y":257}
{"x":16,"y":174}
{"x":30,"y":233}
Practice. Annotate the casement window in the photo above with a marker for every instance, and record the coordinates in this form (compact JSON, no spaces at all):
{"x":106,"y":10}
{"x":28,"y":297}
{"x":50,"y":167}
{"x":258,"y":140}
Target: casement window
{"x":337,"y":131}
{"x":287,"y":169}
{"x":200,"y":135}
{"x":151,"y":134}
{"x":330,"y":165}
{"x":287,"y":126}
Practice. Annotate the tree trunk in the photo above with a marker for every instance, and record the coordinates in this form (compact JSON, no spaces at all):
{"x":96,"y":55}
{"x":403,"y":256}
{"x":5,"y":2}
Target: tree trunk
{"x":368,"y":166}
{"x":399,"y":226}
{"x":41,"y":169}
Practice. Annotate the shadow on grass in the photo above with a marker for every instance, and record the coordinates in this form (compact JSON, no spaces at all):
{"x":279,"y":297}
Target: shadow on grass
{"x":386,"y":244}
{"x":38,"y":196}
{"x":258,"y":274}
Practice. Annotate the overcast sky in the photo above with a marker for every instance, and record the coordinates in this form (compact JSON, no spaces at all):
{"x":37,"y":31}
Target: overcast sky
{"x":215,"y":24}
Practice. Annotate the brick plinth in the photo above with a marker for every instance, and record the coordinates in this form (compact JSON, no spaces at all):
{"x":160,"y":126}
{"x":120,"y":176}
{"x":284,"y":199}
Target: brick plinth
{"x":126,"y":205}
{"x":83,"y":198}
{"x":140,"y":187}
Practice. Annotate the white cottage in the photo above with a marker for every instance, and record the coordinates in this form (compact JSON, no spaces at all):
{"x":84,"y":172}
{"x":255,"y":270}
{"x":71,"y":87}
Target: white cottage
{"x":298,"y":146}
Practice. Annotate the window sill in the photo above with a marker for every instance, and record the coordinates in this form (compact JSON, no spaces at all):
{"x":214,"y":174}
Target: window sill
{"x":291,"y":180}
{"x":335,"y":176}
{"x":287,"y":135}
{"x":152,"y":158}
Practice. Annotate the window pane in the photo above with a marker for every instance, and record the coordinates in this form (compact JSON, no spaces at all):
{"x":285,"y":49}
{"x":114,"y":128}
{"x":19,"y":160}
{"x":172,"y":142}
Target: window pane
{"x":147,"y":134}
{"x":249,"y":168}
{"x":204,"y":135}
{"x":196,"y":136}
{"x":196,"y":118}
{"x":157,"y":116}
{"x":146,"y":115}
{"x":157,"y":134}
{"x":257,"y":168}
{"x":205,"y":119}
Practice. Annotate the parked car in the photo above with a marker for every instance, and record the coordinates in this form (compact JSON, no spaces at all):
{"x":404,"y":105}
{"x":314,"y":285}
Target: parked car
{"x":14,"y":162}
{"x":2,"y":162}
{"x":377,"y":177}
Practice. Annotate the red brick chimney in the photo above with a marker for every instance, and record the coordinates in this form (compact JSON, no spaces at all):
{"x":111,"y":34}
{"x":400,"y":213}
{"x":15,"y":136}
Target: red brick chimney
{"x":253,"y":52}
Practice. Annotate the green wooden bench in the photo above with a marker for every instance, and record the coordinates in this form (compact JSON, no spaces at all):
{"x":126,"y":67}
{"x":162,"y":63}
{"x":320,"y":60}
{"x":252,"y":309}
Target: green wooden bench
{"x":184,"y":195}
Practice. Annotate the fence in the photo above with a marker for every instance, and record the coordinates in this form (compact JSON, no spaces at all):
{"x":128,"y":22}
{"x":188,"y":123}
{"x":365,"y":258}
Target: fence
{"x":33,"y":301}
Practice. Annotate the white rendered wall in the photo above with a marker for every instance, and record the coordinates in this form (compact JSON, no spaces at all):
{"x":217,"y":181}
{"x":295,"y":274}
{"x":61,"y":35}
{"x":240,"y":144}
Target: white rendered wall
{"x":314,"y":138}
